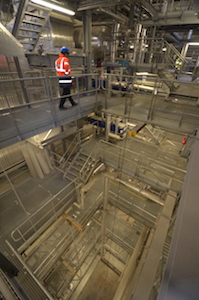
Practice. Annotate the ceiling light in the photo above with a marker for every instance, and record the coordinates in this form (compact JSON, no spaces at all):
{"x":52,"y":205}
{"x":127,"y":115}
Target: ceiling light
{"x":142,"y":73}
{"x":194,"y":44}
{"x":55,"y":7}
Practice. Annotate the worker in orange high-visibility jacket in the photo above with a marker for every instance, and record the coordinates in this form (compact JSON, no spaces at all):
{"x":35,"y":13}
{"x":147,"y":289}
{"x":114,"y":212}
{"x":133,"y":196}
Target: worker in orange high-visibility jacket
{"x":62,"y":66}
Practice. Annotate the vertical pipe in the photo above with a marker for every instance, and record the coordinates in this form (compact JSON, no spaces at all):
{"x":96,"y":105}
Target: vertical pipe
{"x":108,"y":124}
{"x":184,"y":50}
{"x":137,"y":41}
{"x":142,"y":52}
{"x":87,"y":26}
{"x":152,"y":45}
{"x":116,"y":27}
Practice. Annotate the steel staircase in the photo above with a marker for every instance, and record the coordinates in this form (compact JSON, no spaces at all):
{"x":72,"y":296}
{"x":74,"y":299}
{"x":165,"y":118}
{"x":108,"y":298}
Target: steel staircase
{"x":81,"y":168}
{"x":168,"y":78}
{"x":29,"y":24}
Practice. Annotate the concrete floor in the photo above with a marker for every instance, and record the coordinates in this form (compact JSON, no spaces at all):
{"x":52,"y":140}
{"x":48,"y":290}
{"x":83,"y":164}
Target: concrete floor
{"x":101,"y":285}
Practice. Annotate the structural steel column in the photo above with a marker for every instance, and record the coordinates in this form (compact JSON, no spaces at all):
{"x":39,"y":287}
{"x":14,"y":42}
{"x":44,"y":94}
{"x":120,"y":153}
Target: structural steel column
{"x":87,"y":26}
{"x":149,"y":270}
{"x":105,"y":203}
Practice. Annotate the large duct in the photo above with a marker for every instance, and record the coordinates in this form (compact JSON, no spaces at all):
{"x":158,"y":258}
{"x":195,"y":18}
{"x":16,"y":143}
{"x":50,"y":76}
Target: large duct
{"x":10,"y":47}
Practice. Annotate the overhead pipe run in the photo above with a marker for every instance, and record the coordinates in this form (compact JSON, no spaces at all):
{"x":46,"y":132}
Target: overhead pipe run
{"x":99,"y":3}
{"x":115,"y":16}
{"x":149,"y":7}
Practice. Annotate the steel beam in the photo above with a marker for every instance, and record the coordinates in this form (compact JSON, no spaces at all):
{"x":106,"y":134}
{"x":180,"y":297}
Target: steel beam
{"x":148,"y":274}
{"x":174,"y":18}
{"x":149,"y":7}
{"x":115,"y":16}
{"x":98,"y":4}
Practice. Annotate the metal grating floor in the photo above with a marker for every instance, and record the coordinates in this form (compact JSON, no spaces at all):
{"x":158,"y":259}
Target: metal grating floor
{"x":31,"y":195}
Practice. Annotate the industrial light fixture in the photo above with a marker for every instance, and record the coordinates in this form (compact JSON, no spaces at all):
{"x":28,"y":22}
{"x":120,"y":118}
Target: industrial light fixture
{"x":193,"y":44}
{"x":55,"y":7}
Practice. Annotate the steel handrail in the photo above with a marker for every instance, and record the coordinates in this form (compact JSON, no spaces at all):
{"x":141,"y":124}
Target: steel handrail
{"x":74,"y":149}
{"x":72,"y":142}
{"x":135,"y":153}
{"x":36,"y":212}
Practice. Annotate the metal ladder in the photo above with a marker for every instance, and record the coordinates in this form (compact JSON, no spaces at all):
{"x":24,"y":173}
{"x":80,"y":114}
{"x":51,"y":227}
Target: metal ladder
{"x":29,"y":24}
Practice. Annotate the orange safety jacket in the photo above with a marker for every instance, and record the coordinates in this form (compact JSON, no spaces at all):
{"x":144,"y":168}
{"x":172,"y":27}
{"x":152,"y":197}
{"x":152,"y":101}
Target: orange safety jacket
{"x":62,"y":65}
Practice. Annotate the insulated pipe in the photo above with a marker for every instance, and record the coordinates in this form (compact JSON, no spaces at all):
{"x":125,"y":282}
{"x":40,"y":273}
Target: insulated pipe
{"x":136,"y":46}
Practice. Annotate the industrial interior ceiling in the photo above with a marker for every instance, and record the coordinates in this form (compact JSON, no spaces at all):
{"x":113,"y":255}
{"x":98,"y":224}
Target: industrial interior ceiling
{"x":99,"y":201}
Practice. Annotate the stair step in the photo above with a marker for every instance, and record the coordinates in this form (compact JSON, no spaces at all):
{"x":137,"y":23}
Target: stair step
{"x":28,"y":43}
{"x":27,"y":36}
{"x":82,"y":159}
{"x":70,"y":176}
{"x":73,"y":172}
{"x":34,"y":15}
{"x":29,"y":29}
{"x":83,"y":154}
{"x":32,"y":23}
{"x":80,"y":162}
{"x":77,"y":167}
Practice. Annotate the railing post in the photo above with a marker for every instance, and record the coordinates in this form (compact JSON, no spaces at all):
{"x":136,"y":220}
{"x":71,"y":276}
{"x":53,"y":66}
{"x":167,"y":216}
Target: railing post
{"x":48,"y":295}
{"x":49,"y":94}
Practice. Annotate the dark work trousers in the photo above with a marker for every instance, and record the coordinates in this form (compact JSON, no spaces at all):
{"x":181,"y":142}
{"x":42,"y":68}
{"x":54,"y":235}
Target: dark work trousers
{"x":65,"y":92}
